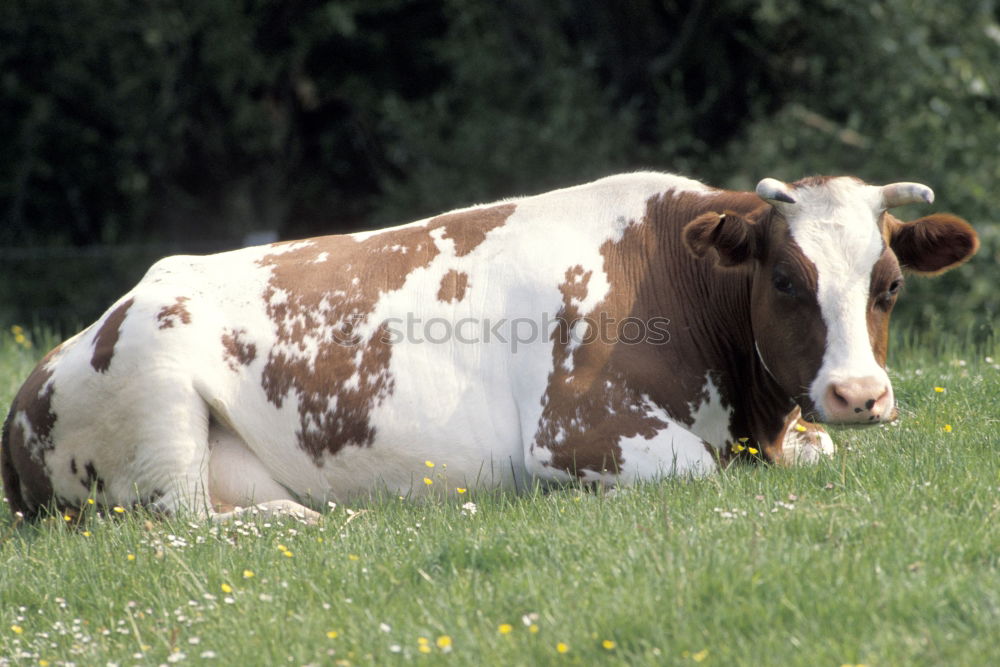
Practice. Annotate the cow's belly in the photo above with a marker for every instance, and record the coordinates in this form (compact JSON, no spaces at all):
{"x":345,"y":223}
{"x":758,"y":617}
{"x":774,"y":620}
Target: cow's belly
{"x":446,"y":421}
{"x":404,"y":463}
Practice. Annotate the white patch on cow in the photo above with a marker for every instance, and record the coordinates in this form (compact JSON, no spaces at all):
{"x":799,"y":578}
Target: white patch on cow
{"x":577,"y":334}
{"x":282,"y":248}
{"x":675,"y":450}
{"x":710,"y":417}
{"x":322,"y":257}
{"x":353,"y":383}
{"x":835,"y":225}
{"x":278,"y":296}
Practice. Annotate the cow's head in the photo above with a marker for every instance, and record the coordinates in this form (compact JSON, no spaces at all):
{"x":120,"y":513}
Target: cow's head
{"x":827,"y":265}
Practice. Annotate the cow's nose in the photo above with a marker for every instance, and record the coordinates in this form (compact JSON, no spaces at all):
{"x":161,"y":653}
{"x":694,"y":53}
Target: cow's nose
{"x":866,"y":399}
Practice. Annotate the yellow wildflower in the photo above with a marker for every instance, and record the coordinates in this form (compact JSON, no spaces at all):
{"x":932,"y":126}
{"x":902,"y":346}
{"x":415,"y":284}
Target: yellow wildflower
{"x":533,"y":629}
{"x":226,"y":588}
{"x":353,"y":557}
{"x":562,"y":647}
{"x":947,"y":428}
{"x":505,"y":628}
{"x":461,"y":490}
{"x":939,"y":389}
{"x":247,"y":574}
{"x":444,"y":642}
{"x":16,"y":629}
{"x":800,"y":428}
{"x":752,"y":450}
{"x":119,"y":509}
{"x":429,"y":464}
{"x":130,"y":557}
{"x":332,"y":634}
{"x":608,"y":644}
{"x":700,"y":655}
{"x":428,"y":481}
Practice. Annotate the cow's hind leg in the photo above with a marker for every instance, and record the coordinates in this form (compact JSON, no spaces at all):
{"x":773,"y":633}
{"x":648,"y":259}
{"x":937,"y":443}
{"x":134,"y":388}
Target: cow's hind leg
{"x":239,"y":483}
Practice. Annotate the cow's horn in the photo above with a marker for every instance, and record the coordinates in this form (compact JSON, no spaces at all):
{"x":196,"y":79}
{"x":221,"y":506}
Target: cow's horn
{"x":897,"y":194}
{"x":773,"y":190}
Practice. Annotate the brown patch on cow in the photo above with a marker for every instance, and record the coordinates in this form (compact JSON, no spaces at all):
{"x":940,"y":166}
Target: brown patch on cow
{"x":107,"y":337}
{"x":320,"y":294}
{"x":453,"y":286}
{"x":175,"y":313}
{"x":608,"y":394}
{"x":589,"y":408}
{"x":26,"y":481}
{"x":885,"y":272}
{"x":469,"y":228}
{"x":236,"y":351}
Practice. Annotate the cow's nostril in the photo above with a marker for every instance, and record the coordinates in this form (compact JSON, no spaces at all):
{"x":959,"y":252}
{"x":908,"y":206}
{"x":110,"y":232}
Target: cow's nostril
{"x":880,"y":406}
{"x":841,"y":401}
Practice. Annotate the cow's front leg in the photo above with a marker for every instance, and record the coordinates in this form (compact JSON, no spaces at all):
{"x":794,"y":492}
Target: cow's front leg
{"x":611,"y":453}
{"x":802,"y":442}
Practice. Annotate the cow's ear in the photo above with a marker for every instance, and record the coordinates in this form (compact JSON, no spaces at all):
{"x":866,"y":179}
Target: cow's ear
{"x":933,"y":244}
{"x":733,"y":237}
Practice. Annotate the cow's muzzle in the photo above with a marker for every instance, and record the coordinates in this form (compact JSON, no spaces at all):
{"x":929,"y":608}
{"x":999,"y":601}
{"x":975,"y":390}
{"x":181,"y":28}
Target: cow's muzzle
{"x":865,"y":400}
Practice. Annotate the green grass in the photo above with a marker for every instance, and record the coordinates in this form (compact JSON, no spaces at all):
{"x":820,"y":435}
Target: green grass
{"x":889,"y":554}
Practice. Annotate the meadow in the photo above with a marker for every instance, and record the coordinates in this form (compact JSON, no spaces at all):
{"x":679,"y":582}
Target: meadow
{"x":887,"y":554}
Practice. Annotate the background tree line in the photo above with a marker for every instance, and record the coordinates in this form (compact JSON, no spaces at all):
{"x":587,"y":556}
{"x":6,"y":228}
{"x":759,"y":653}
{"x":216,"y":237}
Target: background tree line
{"x":193,"y":123}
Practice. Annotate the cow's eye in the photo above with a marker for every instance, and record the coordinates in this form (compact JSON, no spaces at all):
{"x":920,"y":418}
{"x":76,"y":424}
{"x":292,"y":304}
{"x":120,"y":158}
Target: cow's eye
{"x":885,"y":299}
{"x":783,"y":284}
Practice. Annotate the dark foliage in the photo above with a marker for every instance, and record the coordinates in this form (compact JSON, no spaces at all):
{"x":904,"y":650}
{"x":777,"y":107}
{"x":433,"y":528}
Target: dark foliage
{"x":136,"y":122}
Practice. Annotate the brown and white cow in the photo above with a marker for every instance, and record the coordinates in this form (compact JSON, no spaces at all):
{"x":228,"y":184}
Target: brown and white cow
{"x":638,"y":326}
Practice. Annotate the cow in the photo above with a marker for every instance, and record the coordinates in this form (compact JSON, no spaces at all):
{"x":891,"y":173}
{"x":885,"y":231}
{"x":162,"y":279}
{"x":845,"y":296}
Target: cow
{"x":640,"y":326}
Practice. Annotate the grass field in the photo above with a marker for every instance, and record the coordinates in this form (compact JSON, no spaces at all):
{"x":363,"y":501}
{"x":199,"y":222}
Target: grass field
{"x":888,"y":554}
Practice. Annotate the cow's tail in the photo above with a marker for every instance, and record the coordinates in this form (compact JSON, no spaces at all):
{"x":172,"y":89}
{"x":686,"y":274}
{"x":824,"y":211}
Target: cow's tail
{"x":11,"y":480}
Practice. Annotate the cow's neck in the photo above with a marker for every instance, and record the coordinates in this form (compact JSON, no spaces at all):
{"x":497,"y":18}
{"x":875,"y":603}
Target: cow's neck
{"x":727,"y":345}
